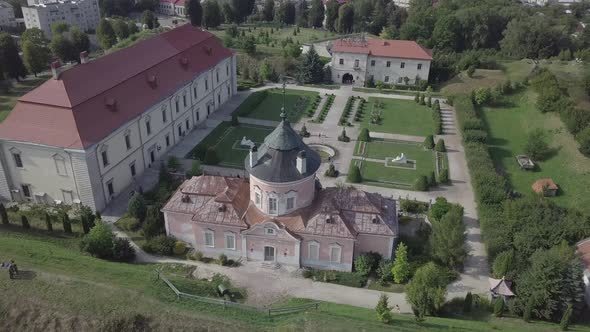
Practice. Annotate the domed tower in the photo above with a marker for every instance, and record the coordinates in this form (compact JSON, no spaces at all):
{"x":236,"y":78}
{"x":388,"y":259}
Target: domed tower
{"x":282,"y":171}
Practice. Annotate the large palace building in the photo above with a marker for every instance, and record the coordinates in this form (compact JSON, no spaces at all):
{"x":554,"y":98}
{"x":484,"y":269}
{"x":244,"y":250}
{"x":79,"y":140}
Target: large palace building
{"x":280,"y":215}
{"x":86,"y":134}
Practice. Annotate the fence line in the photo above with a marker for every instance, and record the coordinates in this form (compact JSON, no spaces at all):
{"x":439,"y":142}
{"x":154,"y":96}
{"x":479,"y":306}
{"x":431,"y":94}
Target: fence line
{"x":225,"y":303}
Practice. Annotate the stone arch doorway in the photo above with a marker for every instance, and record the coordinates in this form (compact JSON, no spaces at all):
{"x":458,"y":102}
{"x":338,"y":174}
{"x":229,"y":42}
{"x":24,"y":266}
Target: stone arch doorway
{"x":347,"y":78}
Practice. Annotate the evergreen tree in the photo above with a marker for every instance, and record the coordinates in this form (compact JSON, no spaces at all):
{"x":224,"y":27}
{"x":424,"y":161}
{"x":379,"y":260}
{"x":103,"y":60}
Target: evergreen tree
{"x":25,"y":222}
{"x":311,"y":70}
{"x":105,"y":34}
{"x":440,"y":146}
{"x":429,"y":142}
{"x":268,"y":12}
{"x":10,"y":60}
{"x":35,"y":56}
{"x":137,"y":207}
{"x":195,"y":12}
{"x":4,"y":214}
{"x":448,"y":237}
{"x":286,"y":12}
{"x":212,"y":17}
{"x":67,"y":225}
{"x":383,"y":310}
{"x":48,"y":222}
{"x":401,"y":266}
{"x":355,"y":175}
{"x":364,"y":135}
{"x":316,"y":14}
{"x":149,"y":18}
{"x":345,"y":18}
{"x":332,"y":14}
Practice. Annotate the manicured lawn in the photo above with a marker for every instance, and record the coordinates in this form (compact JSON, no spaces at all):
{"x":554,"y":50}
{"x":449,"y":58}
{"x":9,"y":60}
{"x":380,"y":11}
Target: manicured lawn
{"x":296,"y":103}
{"x":566,"y":166}
{"x":8,"y":100}
{"x":226,"y":141}
{"x":399,"y":117}
{"x":423,"y":162}
{"x":65,"y":290}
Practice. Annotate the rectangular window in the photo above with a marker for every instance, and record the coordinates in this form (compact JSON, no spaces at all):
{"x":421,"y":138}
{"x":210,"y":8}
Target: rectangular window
{"x":17,"y":160}
{"x":110,"y":188}
{"x":217,"y":76}
{"x":386,"y":79}
{"x":314,"y":251}
{"x":341,"y":61}
{"x":176,"y":106}
{"x":419,"y":66}
{"x":356,"y":63}
{"x":269,"y":231}
{"x":184,"y":100}
{"x":272,"y":205}
{"x":257,"y":199}
{"x":219,"y":99}
{"x":290,"y":203}
{"x":186,"y":124}
{"x":26,"y":190}
{"x":399,"y":80}
{"x":228,"y":90}
{"x":180,"y":130}
{"x":372,"y":63}
{"x":335,"y":254}
{"x":167,"y":140}
{"x":148,"y":127}
{"x":195,"y":92}
{"x":209,"y":240}
{"x":132,"y":168}
{"x":206,"y":84}
{"x":402,"y":65}
{"x":197,"y":115}
{"x":388,"y":64}
{"x":230,"y":241}
{"x":164,"y":119}
{"x":128,"y":141}
{"x":105,"y":159}
{"x":227,"y":70}
{"x":60,"y":166}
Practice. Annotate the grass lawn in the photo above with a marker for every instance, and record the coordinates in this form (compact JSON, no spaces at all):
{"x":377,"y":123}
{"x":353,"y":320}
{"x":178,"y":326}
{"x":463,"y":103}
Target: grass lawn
{"x":296,"y":103}
{"x":8,"y":100}
{"x":567,"y":166}
{"x":571,"y":76}
{"x":68,"y":291}
{"x":389,"y":287}
{"x":226,"y":140}
{"x":399,"y":117}
{"x":422,"y":162}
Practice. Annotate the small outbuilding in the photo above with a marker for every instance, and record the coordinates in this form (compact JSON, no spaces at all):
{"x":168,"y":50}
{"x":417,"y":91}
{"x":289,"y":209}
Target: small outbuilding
{"x":525,"y":162}
{"x":545,"y":187}
{"x":501,"y":288}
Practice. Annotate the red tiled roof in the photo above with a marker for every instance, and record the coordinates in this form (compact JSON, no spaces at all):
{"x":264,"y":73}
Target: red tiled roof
{"x":539,"y":184}
{"x":403,"y":49}
{"x":91,"y":100}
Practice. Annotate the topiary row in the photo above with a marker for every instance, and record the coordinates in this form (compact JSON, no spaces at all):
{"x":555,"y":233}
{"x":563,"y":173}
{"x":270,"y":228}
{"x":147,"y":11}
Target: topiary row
{"x":346,"y":112}
{"x":325,"y":108}
{"x":360,"y":110}
{"x":313,"y":106}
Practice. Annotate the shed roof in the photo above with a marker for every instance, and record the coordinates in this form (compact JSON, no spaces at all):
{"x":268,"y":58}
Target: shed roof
{"x":542,"y":183}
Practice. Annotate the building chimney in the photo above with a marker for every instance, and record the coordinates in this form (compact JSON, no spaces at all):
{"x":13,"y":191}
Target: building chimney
{"x":56,"y":69}
{"x":301,"y":162}
{"x":84,"y":57}
{"x":253,"y":155}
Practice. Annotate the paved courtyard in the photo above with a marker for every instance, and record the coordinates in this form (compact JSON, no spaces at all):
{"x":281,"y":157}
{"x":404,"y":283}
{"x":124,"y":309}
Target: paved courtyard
{"x":475,"y":273}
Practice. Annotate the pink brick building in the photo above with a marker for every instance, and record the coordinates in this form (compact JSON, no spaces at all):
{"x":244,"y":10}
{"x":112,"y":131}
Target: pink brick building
{"x":280,"y":215}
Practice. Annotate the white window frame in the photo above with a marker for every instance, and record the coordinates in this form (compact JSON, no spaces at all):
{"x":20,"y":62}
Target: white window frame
{"x":276,"y":201}
{"x":341,"y":61}
{"x":292,"y":205}
{"x":212,"y":233}
{"x":309,"y":252}
{"x":339,"y":247}
{"x":227,"y":236}
{"x":356,"y":63}
{"x":58,"y":159}
{"x":419,"y":66}
{"x":16,"y":152}
{"x":269,"y":231}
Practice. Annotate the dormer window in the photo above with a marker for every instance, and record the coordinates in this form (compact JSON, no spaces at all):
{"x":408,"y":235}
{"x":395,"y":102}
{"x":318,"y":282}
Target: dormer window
{"x":375,"y":220}
{"x":222,"y":208}
{"x":269,"y":231}
{"x":186,"y":199}
{"x":329,"y":220}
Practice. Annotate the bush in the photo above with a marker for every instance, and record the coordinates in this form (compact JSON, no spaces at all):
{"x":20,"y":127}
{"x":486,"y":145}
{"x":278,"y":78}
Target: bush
{"x":426,"y":291}
{"x":137,"y":207}
{"x":413,"y":206}
{"x":417,"y":97}
{"x":470,"y":71}
{"x":25,"y":222}
{"x":421,"y":183}
{"x":48,"y":223}
{"x":503,"y":264}
{"x":211,"y":157}
{"x":584,"y":139}
{"x":331,"y":171}
{"x":198,"y":255}
{"x":526,"y":314}
{"x":384,"y":270}
{"x":383,"y":310}
{"x":179,"y":248}
{"x":159,"y":245}
{"x":173,"y":163}
{"x":468,"y":302}
{"x":122,"y":250}
{"x":475,"y":136}
{"x":440,"y":146}
{"x":364,"y":136}
{"x":367,"y":263}
{"x":536,"y":146}
{"x":355,"y":175}
{"x":222,"y":260}
{"x":195,"y":170}
{"x":499,"y":307}
{"x":443,"y":176}
{"x":128,"y":223}
{"x":99,"y":241}
{"x":67,"y":225}
{"x":429,"y":142}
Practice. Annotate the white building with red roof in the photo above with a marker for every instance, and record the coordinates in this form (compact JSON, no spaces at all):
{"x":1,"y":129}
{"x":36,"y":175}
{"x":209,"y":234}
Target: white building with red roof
{"x":359,"y":60}
{"x":279,"y":215}
{"x":172,"y":8}
{"x":85,"y":134}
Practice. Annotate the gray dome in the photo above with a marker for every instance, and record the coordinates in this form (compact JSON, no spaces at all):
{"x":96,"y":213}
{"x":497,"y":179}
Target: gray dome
{"x":277,"y":156}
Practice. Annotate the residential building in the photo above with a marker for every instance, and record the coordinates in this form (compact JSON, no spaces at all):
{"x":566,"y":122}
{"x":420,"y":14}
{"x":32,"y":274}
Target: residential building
{"x":7,"y":18}
{"x":358,"y":60}
{"x":84,"y":14}
{"x":172,"y":8}
{"x":85,"y":135}
{"x":402,"y":3}
{"x":280,"y":216}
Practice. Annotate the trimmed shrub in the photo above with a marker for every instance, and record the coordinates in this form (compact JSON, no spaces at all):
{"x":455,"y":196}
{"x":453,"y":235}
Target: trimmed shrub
{"x":355,"y":175}
{"x":137,"y":207}
{"x":429,"y":142}
{"x":304,"y":132}
{"x":122,"y":250}
{"x":364,"y":135}
{"x":503,"y":264}
{"x":48,"y":222}
{"x":25,"y":222}
{"x":432,"y":180}
{"x":331,"y":171}
{"x":383,"y":310}
{"x":421,"y":183}
{"x":211,"y":157}
{"x":4,"y":214}
{"x":384,"y":270}
{"x":526,"y":314}
{"x":173,"y":163}
{"x":343,"y":137}
{"x":179,"y":248}
{"x":234,"y":120}
{"x":417,"y":97}
{"x":440,"y":146}
{"x":99,"y":241}
{"x":222,"y":260}
{"x":499,"y":307}
{"x":443,"y":176}
{"x":67,"y":225}
{"x":468,"y":302}
{"x":195,"y":170}
{"x":475,"y":136}
{"x":159,"y":245}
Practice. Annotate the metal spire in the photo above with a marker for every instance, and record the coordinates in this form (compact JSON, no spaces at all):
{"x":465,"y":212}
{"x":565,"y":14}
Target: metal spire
{"x":283,"y":113}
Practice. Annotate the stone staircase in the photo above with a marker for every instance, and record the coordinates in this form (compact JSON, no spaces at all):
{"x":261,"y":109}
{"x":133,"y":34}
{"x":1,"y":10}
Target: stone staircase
{"x":270,"y":265}
{"x":448,"y":123}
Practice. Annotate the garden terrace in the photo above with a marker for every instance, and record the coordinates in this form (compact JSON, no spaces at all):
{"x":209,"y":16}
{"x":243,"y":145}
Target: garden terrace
{"x":267,"y":104}
{"x":375,"y":160}
{"x":225,"y":139}
{"x":397,"y":116}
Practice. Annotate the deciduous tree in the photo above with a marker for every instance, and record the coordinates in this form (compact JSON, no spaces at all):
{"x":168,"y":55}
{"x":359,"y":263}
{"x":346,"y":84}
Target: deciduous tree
{"x":35,"y":56}
{"x":345,"y":18}
{"x":426,"y":291}
{"x":10,"y":61}
{"x":195,"y":12}
{"x":316,"y":14}
{"x":212,"y":17}
{"x":105,"y":34}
